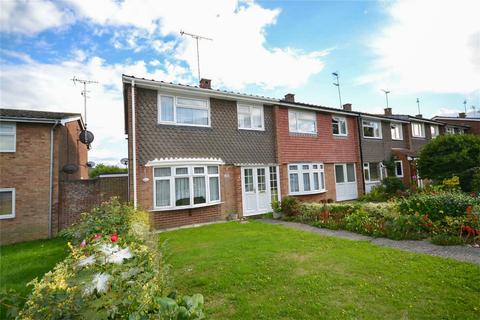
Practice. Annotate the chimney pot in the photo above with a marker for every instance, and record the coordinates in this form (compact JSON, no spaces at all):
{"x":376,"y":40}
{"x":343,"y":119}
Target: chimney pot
{"x":290,"y":97}
{"x":419,"y":116}
{"x":462,"y":115}
{"x":347,"y":107}
{"x":205,"y":83}
{"x":388,"y":111}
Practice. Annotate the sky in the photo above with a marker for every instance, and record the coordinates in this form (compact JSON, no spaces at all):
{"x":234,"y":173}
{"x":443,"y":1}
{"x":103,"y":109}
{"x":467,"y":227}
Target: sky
{"x":415,"y":49}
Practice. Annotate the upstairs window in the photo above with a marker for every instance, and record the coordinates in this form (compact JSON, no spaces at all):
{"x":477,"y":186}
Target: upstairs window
{"x":183,"y":111}
{"x":418,"y":130}
{"x":434,"y":131}
{"x":302,"y":122}
{"x":397,"y":131}
{"x":7,"y":203}
{"x":250,"y":117}
{"x":8,"y":132}
{"x":339,"y":126}
{"x":306,"y":178}
{"x":454,"y":130}
{"x":372,"y":129}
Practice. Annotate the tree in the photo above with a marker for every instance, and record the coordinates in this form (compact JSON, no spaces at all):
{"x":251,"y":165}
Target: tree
{"x":105,"y":169}
{"x":451,"y":155}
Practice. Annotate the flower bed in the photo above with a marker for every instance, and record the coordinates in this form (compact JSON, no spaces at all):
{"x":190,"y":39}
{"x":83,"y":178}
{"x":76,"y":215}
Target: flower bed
{"x":446,"y":218}
{"x":115,"y":270}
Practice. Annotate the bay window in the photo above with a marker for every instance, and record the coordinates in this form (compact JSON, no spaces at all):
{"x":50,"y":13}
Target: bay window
{"x":250,"y":117}
{"x":7,"y":203}
{"x":397,"y":131}
{"x":302,"y":122}
{"x":183,"y":111}
{"x":8,"y":132}
{"x":339,"y":126}
{"x":372,"y":129}
{"x":186,"y":186}
{"x":418,"y":130}
{"x":306,"y":178}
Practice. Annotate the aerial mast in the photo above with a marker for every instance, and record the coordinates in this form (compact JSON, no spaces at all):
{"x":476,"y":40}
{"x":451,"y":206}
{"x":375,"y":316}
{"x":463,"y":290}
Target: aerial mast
{"x":196,"y":37}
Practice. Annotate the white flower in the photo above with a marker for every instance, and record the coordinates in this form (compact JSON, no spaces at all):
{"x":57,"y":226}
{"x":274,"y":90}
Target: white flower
{"x":99,"y":283}
{"x":108,"y":249}
{"x":86,"y":261}
{"x":119,"y":256}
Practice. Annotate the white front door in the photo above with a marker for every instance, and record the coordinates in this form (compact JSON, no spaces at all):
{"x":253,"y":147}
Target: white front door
{"x":256,"y":190}
{"x":346,"y":181}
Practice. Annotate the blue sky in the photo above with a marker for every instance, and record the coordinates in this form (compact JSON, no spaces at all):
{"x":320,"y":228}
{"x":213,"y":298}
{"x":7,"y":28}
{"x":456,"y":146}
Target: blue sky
{"x":424,"y":49}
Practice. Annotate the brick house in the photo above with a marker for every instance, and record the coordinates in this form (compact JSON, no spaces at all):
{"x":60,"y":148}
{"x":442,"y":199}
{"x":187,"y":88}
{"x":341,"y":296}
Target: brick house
{"x":34,"y":148}
{"x":198,"y":154}
{"x":460,"y":124}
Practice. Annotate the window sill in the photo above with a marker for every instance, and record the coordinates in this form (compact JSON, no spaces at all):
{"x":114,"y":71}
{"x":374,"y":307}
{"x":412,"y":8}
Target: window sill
{"x":302,"y":134}
{"x":249,"y":129}
{"x":185,"y":207}
{"x":420,"y":138}
{"x":182,"y":125}
{"x":397,"y":139}
{"x":7,"y":216}
{"x":340,"y":135}
{"x":7,"y":151}
{"x":374,"y":138}
{"x":306,"y":193}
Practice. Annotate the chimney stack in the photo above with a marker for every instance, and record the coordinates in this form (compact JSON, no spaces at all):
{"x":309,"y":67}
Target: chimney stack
{"x":387,"y":111}
{"x":462,"y":115}
{"x":289,"y":97}
{"x":347,"y":107}
{"x":419,"y":116}
{"x":205,"y":83}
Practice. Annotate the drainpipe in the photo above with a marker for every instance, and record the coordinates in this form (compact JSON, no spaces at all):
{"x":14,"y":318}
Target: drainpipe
{"x":134,"y":148}
{"x":359,"y":125}
{"x":50,"y":200}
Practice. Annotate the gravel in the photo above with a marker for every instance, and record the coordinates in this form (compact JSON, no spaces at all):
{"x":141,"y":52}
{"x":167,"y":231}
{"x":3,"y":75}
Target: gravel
{"x":460,"y":253}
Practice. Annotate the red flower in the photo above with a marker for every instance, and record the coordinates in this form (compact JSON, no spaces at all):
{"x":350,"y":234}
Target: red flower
{"x":114,"y":237}
{"x":469,"y":208}
{"x":425,"y":217}
{"x":97,"y":236}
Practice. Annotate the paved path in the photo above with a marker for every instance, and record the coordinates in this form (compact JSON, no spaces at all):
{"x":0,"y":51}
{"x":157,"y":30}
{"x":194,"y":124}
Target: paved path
{"x":461,"y":253}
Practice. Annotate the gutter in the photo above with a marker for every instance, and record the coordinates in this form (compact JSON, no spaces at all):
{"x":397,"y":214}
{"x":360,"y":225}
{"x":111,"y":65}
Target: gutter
{"x":134,"y":148}
{"x":50,"y":200}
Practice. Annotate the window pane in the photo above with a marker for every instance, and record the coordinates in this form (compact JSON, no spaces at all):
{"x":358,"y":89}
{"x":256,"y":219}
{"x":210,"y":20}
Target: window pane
{"x":398,"y":168}
{"x":293,"y":182}
{"x":181,"y":171}
{"x":162,"y":172}
{"x":6,"y":198}
{"x":7,"y":142}
{"x":192,"y":116}
{"x":199,"y":170}
{"x":306,"y":182}
{"x":166,"y":108}
{"x":257,"y":118}
{"x":374,"y":171}
{"x":322,"y":181}
{"x":244,"y":121}
{"x":368,"y":131}
{"x":192,"y":102}
{"x":261,"y":180}
{"x":212,"y":170}
{"x":343,"y":127}
{"x":335,"y":126}
{"x":366,"y":173}
{"x":350,"y":172}
{"x":293,"y":167}
{"x":307,"y":126}
{"x":315,"y":181}
{"x":305,"y":167}
{"x":292,"y":121}
{"x":339,"y":176}
{"x":273,"y":183}
{"x":248,"y":180}
{"x":182,"y":192}
{"x":7,"y":127}
{"x":162,"y":190}
{"x":214,"y":190}
{"x":199,"y":190}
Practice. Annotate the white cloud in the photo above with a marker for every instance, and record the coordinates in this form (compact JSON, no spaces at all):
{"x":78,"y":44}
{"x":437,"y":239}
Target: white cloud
{"x":43,"y":86}
{"x":429,"y":46}
{"x":31,"y":17}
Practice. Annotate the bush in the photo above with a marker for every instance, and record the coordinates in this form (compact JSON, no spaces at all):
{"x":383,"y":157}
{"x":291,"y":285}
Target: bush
{"x":376,"y":194}
{"x":290,"y":206}
{"x":105,"y":169}
{"x":439,"y":205}
{"x":446,"y":240}
{"x":115,"y":270}
{"x":393,"y":185}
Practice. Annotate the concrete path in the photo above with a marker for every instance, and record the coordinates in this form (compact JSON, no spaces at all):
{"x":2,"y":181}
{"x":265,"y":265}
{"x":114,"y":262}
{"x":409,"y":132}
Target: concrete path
{"x":461,"y":253}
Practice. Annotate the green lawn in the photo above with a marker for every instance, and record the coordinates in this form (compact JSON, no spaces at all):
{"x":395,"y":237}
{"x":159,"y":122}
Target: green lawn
{"x":260,"y":271}
{"x":20,"y":263}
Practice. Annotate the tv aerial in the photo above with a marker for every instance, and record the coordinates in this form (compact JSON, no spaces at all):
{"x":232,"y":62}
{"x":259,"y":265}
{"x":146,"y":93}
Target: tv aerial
{"x":86,"y":137}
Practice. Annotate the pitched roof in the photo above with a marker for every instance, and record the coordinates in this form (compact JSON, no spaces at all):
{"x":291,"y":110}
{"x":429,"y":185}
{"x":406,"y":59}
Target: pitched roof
{"x":35,"y":116}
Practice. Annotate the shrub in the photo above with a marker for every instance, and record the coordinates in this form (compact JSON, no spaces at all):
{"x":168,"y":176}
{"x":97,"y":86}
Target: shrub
{"x":376,"y":194}
{"x":393,"y":185}
{"x":290,"y":206}
{"x":115,"y":270}
{"x":446,"y":240}
{"x":439,"y":205}
{"x":412,"y":227}
{"x":105,"y":169}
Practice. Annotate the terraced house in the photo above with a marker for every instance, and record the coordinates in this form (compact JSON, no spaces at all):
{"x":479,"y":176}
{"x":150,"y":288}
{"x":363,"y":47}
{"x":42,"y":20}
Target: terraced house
{"x":198,"y":154}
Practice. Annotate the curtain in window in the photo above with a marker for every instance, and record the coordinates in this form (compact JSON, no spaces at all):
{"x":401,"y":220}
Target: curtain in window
{"x":315,"y":181}
{"x":167,"y":108}
{"x":256,"y":118}
{"x":306,"y":182}
{"x":214,"y":190}
{"x":294,"y":182}
{"x":199,"y":191}
{"x":182,"y":192}
{"x":162,"y":197}
{"x":192,"y":116}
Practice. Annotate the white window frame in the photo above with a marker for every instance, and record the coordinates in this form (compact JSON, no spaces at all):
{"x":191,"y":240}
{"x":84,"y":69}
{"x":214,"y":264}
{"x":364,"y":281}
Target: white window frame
{"x":437,"y":131}
{"x":300,"y":171}
{"x":400,"y":130}
{"x":190,"y":175}
{"x":176,"y":105}
{"x":401,"y":166}
{"x":250,"y":112}
{"x":12,"y":214}
{"x":345,"y":172}
{"x":422,"y":130}
{"x":381,"y":173}
{"x":379,"y":123}
{"x":298,"y":115}
{"x":340,"y":119}
{"x":9,"y":134}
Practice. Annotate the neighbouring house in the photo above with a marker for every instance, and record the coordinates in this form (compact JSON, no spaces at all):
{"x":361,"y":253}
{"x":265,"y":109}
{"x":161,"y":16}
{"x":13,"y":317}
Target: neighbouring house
{"x":461,"y":124}
{"x":35,"y":147}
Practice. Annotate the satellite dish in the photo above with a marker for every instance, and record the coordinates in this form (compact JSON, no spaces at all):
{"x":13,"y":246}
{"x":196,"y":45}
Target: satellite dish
{"x":124,"y":161}
{"x":90,"y":164}
{"x":70,"y":168}
{"x":86,"y":137}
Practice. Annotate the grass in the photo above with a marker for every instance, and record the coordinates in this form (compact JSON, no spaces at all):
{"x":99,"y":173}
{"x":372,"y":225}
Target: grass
{"x":21,"y":263}
{"x":260,"y":271}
